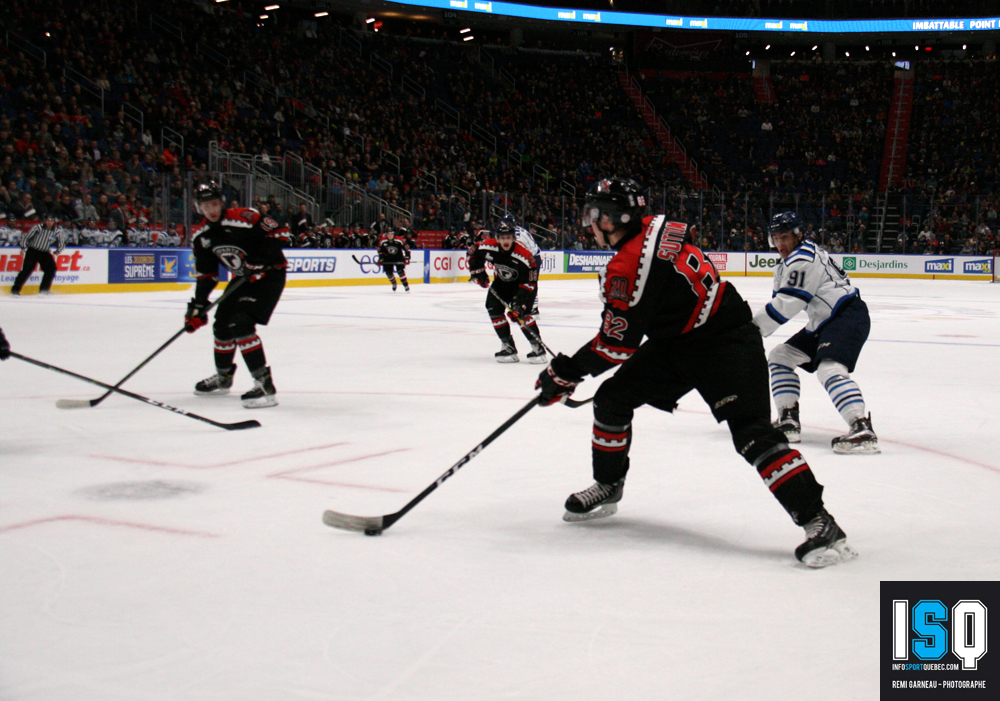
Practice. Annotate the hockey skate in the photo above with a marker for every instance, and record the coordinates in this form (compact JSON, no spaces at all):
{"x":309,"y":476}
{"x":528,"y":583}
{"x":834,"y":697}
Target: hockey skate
{"x":393,"y":285}
{"x":262,"y":394}
{"x":826,"y":544}
{"x":507,"y":354}
{"x":788,"y":423}
{"x":537,"y":355}
{"x":597,"y":501}
{"x":861,"y":439}
{"x":219,"y":383}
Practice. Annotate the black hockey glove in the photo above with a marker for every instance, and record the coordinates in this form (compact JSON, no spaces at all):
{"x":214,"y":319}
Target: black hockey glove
{"x":521,"y":309}
{"x":4,"y":347}
{"x":480,"y":278}
{"x":196,"y":316}
{"x":558,"y":380}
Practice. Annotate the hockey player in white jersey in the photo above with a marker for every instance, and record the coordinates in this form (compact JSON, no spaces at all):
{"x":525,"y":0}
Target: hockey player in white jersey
{"x":524,"y":237}
{"x":829,"y":345}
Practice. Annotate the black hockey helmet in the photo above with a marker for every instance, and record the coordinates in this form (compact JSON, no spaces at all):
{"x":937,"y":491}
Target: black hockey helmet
{"x":508,"y":220}
{"x":204,"y":192}
{"x":785,"y":222}
{"x":620,"y":199}
{"x":506,"y":227}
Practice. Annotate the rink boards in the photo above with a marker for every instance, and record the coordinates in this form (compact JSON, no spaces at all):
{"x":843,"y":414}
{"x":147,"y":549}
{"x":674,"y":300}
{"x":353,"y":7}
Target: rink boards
{"x":150,"y":269}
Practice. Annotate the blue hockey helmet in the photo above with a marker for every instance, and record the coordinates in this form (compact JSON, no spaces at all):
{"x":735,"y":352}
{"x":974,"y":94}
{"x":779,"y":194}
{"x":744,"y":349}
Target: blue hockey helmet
{"x":785,"y":222}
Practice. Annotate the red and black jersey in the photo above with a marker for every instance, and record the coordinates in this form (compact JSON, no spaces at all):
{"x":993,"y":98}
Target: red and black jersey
{"x":661,"y":287}
{"x":243,"y":240}
{"x":516,"y":266}
{"x":393,"y":250}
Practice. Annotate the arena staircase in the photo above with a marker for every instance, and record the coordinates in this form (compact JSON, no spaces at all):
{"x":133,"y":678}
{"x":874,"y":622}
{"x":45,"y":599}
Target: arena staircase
{"x":763,"y":89}
{"x":897,"y":132}
{"x":675,"y":149}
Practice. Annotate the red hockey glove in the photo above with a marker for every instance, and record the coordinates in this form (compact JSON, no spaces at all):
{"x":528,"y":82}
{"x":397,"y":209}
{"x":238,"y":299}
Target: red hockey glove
{"x":196,"y":316}
{"x":558,"y":380}
{"x":480,"y":278}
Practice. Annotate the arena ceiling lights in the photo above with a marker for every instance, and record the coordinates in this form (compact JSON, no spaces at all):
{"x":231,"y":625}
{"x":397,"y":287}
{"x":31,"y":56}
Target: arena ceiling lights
{"x":734,"y":24}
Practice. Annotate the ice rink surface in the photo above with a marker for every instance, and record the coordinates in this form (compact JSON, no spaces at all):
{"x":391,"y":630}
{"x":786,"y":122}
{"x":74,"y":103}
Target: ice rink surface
{"x":145,"y":556}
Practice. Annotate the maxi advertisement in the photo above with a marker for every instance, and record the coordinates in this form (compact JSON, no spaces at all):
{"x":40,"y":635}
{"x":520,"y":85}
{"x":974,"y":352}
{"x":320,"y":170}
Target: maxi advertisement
{"x":135,"y":269}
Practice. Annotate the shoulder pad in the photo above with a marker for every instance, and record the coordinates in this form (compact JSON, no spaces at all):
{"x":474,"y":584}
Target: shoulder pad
{"x":520,"y":250}
{"x":245,"y":215}
{"x":803,"y":255}
{"x":199,"y":229}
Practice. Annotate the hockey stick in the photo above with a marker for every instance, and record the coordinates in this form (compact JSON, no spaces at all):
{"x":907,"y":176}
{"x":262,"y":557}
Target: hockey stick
{"x":82,"y":403}
{"x":374,"y":525}
{"x":517,"y":317}
{"x":371,"y":262}
{"x":238,"y":426}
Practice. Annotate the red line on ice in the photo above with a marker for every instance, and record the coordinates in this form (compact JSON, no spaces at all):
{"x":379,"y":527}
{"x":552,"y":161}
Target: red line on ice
{"x":157,"y":463}
{"x":107,"y":522}
{"x":287,"y":474}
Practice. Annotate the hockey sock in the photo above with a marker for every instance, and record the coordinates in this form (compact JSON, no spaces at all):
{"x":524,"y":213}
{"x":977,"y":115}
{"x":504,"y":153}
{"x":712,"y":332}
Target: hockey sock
{"x":530,"y":330}
{"x":785,"y":386}
{"x":502,"y":328}
{"x":844,"y":392}
{"x":224,"y":353}
{"x":253,"y":353}
{"x":402,"y":279}
{"x":609,"y":450}
{"x":787,"y":474}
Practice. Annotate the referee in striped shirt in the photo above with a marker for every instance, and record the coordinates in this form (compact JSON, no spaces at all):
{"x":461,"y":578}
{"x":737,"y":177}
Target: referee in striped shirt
{"x":35,"y":248}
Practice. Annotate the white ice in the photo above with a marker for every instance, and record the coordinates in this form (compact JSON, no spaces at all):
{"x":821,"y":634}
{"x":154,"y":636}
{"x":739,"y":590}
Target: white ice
{"x":146,"y":556}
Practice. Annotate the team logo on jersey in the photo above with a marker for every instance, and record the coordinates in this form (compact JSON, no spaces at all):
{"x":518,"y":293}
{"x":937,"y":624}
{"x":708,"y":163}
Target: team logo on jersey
{"x":232,"y":257}
{"x":504,"y":273}
{"x":247,"y":215}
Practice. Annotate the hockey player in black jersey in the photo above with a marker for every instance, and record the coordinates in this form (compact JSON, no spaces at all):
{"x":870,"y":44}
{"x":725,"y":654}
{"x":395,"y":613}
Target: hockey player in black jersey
{"x":698,"y":335}
{"x":515,"y":284}
{"x":248,"y":245}
{"x":393,"y":255}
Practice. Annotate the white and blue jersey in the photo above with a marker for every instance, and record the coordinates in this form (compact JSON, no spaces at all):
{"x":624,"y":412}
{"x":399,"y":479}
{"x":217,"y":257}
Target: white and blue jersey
{"x":525,"y":238}
{"x":808,"y":279}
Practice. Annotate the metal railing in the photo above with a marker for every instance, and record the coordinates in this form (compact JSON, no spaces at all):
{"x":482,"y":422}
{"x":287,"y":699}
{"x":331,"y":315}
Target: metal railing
{"x":77,"y":78}
{"x":35,"y":52}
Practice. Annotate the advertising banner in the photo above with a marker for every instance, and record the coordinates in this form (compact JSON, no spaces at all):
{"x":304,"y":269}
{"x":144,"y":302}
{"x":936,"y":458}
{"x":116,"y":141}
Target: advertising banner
{"x":884,"y":265}
{"x":128,"y":269}
{"x":74,"y":266}
{"x":446,"y":266}
{"x":150,"y":265}
{"x":587,"y":261}
{"x":314,"y":267}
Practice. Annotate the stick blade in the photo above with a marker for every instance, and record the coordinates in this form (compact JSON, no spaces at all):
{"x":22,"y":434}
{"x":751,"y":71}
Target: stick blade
{"x":74,"y":403}
{"x":352,"y":523}
{"x":252,"y":423}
